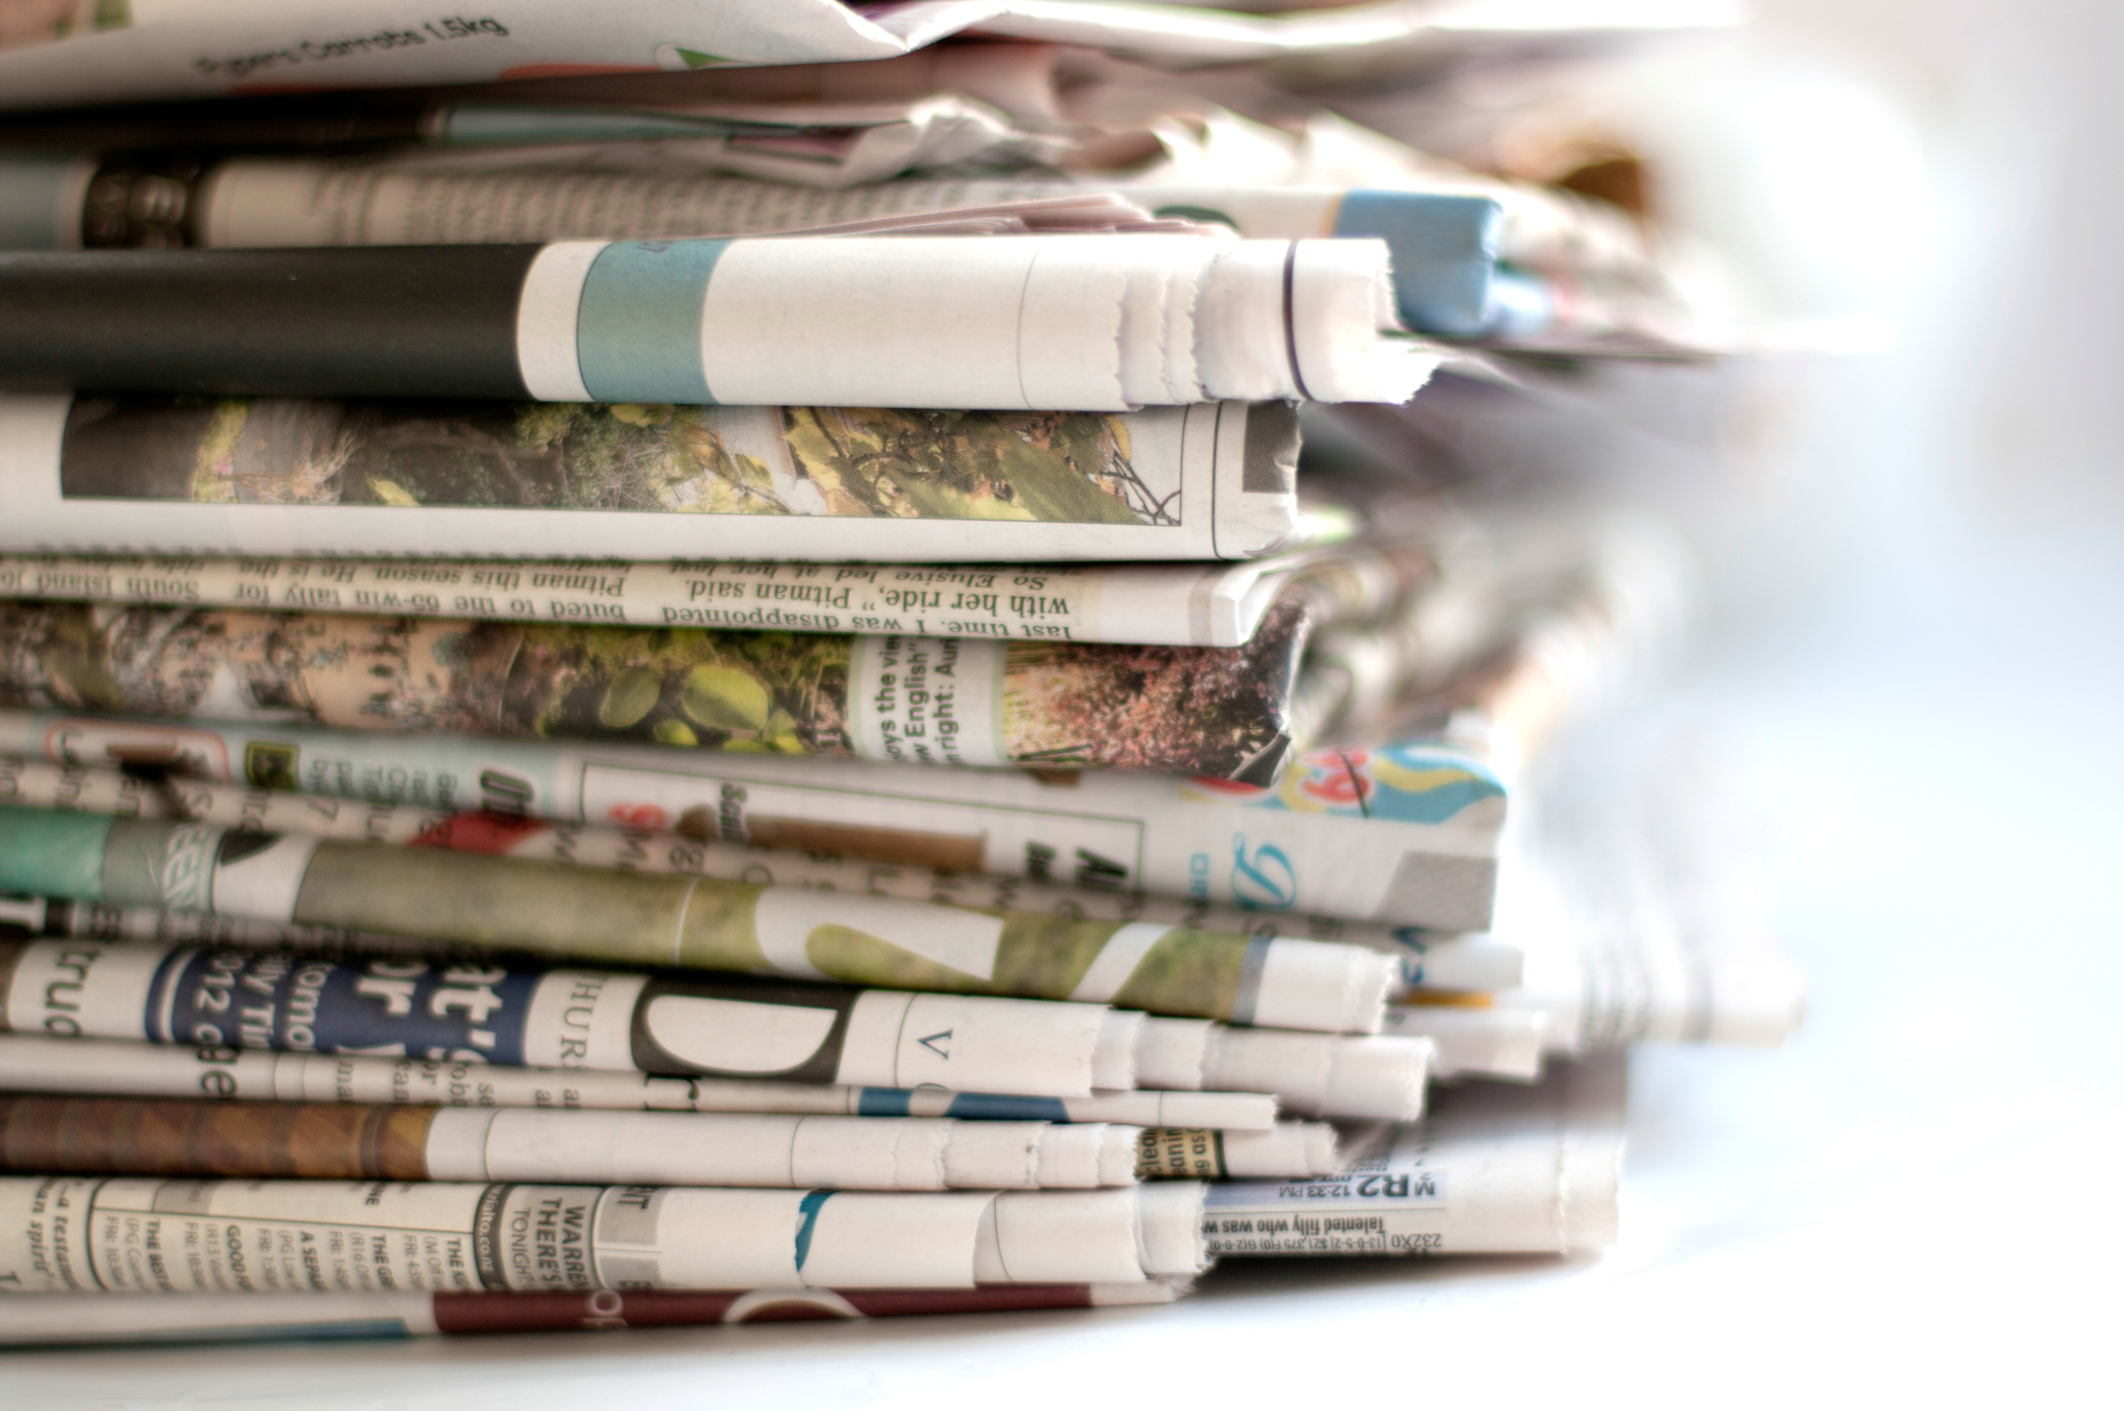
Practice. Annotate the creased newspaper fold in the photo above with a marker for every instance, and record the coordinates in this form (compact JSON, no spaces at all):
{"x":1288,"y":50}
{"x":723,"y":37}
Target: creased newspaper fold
{"x":1426,"y":959}
{"x":174,"y":476}
{"x":301,"y":1237}
{"x":33,"y":1063}
{"x":671,"y":1023}
{"x":1032,"y":322}
{"x":63,"y":1320}
{"x":476,"y":899}
{"x":1218,"y":711}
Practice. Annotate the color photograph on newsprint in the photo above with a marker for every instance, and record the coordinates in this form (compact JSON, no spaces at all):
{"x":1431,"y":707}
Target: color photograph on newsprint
{"x":936,"y":703}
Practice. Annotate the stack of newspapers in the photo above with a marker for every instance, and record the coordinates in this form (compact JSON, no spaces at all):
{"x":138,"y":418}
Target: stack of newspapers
{"x":667,"y":663}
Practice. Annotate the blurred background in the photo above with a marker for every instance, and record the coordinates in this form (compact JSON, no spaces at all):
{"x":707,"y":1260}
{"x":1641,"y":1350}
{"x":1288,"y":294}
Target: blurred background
{"x":1915,"y":670}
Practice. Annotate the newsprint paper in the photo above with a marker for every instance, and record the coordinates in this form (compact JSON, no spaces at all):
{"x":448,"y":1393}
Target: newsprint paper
{"x":685,"y":483}
{"x":1223,"y":711}
{"x":1424,"y":959}
{"x":1176,"y":604}
{"x":348,"y":1141}
{"x":33,"y":1063}
{"x":679,"y":1023}
{"x":637,"y":918}
{"x":145,"y":1235}
{"x":1401,"y":834}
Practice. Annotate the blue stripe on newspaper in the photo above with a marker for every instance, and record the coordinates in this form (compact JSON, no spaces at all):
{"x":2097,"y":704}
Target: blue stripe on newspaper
{"x":638,"y":325}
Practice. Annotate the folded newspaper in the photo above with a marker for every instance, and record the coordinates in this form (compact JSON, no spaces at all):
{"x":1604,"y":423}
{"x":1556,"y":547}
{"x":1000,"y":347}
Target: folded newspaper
{"x":1401,"y":834}
{"x":1426,"y":959}
{"x":665,"y":1022}
{"x":187,"y":1236}
{"x":1069,"y":1063}
{"x":1032,"y":322}
{"x":346,"y":1141}
{"x":177,"y":476}
{"x":1359,"y":631}
{"x":636,"y":918}
{"x":1219,"y":711}
{"x":1158,"y":604}
{"x":1404,"y":835}
{"x":328,"y":1141}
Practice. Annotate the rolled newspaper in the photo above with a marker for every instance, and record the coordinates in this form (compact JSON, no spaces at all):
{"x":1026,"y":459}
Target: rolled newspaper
{"x":85,"y":1234}
{"x":643,"y":919}
{"x":32,"y":1063}
{"x":1402,"y":834}
{"x":1424,"y":958}
{"x":1030,"y":322}
{"x":328,"y":1141}
{"x":59,"y":1320}
{"x":1494,"y":1169}
{"x":671,"y":1023}
{"x":629,"y":481}
{"x":1226,"y":712}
